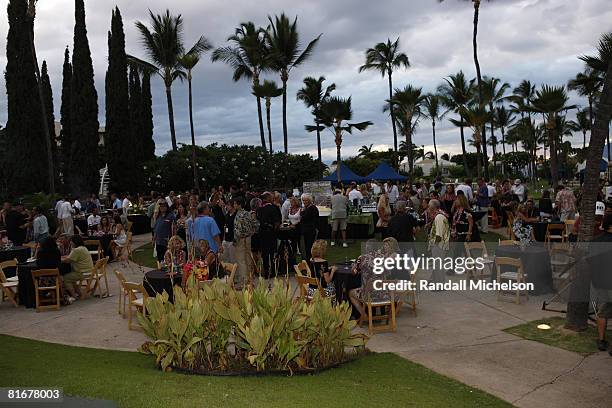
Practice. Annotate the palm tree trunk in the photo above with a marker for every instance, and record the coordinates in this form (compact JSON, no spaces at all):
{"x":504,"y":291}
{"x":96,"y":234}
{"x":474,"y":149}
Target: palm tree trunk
{"x":464,"y":151}
{"x":503,"y":132}
{"x":43,"y":113}
{"x":553,"y":156}
{"x":268,"y":104}
{"x":409,"y":143}
{"x":478,"y":161}
{"x":479,"y":77}
{"x":171,"y":116}
{"x":577,"y":311}
{"x":583,"y":139}
{"x":338,"y":155}
{"x":285,"y":78}
{"x":433,"y":129}
{"x":259,"y":115}
{"x":392,"y":113}
{"x":319,"y":148}
{"x":196,"y":182}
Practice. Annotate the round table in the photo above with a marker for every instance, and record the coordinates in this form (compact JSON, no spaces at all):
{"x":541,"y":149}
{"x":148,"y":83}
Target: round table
{"x":539,"y":229}
{"x":344,"y":280}
{"x":21,"y":253}
{"x":157,"y":281}
{"x":80,"y":222}
{"x":536,"y":265}
{"x":141,"y":223}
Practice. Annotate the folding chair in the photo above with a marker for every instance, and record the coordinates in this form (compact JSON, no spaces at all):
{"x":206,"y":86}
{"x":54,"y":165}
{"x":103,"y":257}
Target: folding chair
{"x":302,"y":269}
{"x":123,"y":295}
{"x":95,"y":249}
{"x":478,"y":249}
{"x":10,"y":264}
{"x":569,"y":228}
{"x":137,"y":296}
{"x":554,"y":233}
{"x":9,"y":287}
{"x":99,"y":273}
{"x":507,"y":242}
{"x":40,"y":287}
{"x":388,"y":313}
{"x":304,"y":282}
{"x":517,"y":275}
{"x":493,"y":218}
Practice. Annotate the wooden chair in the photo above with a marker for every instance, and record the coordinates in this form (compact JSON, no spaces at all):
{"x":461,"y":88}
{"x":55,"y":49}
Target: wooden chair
{"x":230,"y":270}
{"x":137,"y":296}
{"x":97,"y":253}
{"x":478,"y":249}
{"x":569,"y":228}
{"x":302,"y":269}
{"x":128,"y":245}
{"x":97,"y":277}
{"x":493,"y":218}
{"x":561,"y":259}
{"x":10,"y":264}
{"x":123,"y":294}
{"x":9,"y":288}
{"x":33,"y":248}
{"x":509,"y":226}
{"x":517,"y":275}
{"x":304,"y":282}
{"x":507,"y":242}
{"x":129,"y":226}
{"x":54,"y":288}
{"x":411,"y":297}
{"x":388,"y":313}
{"x":554,"y":233}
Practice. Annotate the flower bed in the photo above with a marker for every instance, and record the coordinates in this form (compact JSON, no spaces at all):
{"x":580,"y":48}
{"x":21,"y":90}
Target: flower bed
{"x":216,"y":329}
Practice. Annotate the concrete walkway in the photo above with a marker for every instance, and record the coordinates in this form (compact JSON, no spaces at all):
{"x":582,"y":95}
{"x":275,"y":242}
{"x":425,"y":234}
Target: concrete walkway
{"x":456,"y":334}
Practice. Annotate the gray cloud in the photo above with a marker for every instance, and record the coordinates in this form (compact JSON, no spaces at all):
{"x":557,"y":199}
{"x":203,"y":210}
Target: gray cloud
{"x":534,"y":39}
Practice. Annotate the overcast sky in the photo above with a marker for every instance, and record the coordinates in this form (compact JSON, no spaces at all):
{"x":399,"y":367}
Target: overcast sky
{"x":518,"y":39}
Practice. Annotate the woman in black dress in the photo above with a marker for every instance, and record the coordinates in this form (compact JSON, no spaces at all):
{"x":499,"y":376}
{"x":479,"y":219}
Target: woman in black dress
{"x":322,"y":271}
{"x":464,"y":228}
{"x":309,"y":218}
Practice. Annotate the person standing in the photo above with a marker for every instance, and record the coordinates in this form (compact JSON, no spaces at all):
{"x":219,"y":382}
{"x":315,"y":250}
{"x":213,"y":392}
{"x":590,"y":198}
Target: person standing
{"x":16,"y":224}
{"x":64,"y":213}
{"x":309,"y":219}
{"x":519,"y":190}
{"x":339,"y":203}
{"x":483,"y":201}
{"x":163,"y":229}
{"x":245,"y":225}
{"x":269,"y":217}
{"x":205,"y":227}
{"x":392,"y":192}
{"x":439,"y":237}
{"x":466,"y":187}
{"x":566,"y":203}
{"x":40,"y":225}
{"x":402,"y":224}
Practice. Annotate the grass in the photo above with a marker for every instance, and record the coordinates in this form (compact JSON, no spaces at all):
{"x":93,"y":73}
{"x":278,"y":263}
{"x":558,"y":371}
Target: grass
{"x":131,"y":380}
{"x":581,"y":343}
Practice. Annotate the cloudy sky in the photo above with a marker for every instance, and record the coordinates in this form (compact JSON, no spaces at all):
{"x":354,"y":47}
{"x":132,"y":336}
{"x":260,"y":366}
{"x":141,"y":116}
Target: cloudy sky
{"x":518,"y":39}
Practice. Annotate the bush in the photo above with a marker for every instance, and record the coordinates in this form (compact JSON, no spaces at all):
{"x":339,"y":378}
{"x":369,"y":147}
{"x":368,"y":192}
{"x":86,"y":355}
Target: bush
{"x":217,"y":328}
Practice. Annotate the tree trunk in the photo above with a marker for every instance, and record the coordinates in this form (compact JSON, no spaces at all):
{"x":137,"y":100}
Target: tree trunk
{"x":285,"y":78}
{"x":268,"y":104}
{"x":577,"y":309}
{"x":392,"y":113}
{"x":433,"y":129}
{"x":552,"y":135}
{"x":43,"y":112}
{"x":503,"y":132}
{"x":171,"y":117}
{"x":338,"y":155}
{"x":479,"y":78}
{"x":259,"y":114}
{"x":319,"y":149}
{"x":584,"y":139}
{"x":464,"y":152}
{"x":409,"y":143}
{"x":196,"y":181}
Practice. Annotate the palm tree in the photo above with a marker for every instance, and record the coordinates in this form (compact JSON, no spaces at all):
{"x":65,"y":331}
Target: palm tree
{"x":407,"y":104}
{"x":494,"y":91}
{"x":248,"y":57}
{"x":313,"y":94}
{"x":456,"y":93}
{"x":364,"y":150}
{"x":283,"y":42}
{"x":550,"y":102}
{"x":188,"y":62}
{"x":588,"y":84}
{"x":385,"y":58}
{"x":584,"y":124}
{"x":433,"y":110}
{"x":522,"y":96}
{"x":268,"y":90}
{"x":336,"y":114}
{"x":503,"y":119}
{"x":476,"y":117}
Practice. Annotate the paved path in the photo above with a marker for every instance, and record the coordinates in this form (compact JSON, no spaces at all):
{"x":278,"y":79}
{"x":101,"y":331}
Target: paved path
{"x":456,"y":334}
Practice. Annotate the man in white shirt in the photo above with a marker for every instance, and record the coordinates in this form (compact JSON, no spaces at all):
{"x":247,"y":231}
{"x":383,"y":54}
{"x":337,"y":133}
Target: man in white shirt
{"x":76,"y":204}
{"x":64,"y":216}
{"x":355,"y":194}
{"x":519,"y":189}
{"x":375,"y":188}
{"x":93,"y":220}
{"x":466,"y":187}
{"x":286,"y":206}
{"x":492,"y":190}
{"x":392,"y":191}
{"x":125,"y":205}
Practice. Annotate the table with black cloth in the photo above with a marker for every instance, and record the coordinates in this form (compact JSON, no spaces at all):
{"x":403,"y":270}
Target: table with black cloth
{"x":478,"y":215}
{"x":141,"y":223}
{"x":345,"y":280}
{"x":539,"y":229}
{"x":158,"y":281}
{"x":21,"y":253}
{"x":536,"y":265}
{"x":81,"y":224}
{"x":105,"y":241}
{"x":26,"y":290}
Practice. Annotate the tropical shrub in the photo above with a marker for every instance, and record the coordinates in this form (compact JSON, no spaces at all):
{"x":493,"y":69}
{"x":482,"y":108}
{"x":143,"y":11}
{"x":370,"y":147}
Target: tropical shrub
{"x":217,"y":328}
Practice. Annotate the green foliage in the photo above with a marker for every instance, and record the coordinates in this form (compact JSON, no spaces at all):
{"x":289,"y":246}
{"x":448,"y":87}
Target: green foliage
{"x":216,"y":328}
{"x":65,"y":120}
{"x":225,"y":165}
{"x":147,"y":142}
{"x":516,"y":159}
{"x":456,"y":171}
{"x":470,"y":157}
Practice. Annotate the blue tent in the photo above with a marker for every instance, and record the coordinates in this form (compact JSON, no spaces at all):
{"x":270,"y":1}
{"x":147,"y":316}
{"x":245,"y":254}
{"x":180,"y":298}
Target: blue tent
{"x":346,"y":175}
{"x":385,"y":172}
{"x":603,"y":166}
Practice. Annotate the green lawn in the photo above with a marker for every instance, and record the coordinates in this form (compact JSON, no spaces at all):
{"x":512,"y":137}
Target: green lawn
{"x":131,"y":380}
{"x":582,"y":342}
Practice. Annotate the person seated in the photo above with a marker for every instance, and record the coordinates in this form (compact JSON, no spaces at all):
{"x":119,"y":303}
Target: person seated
{"x":175,"y":257}
{"x":545,"y":205}
{"x":80,"y":262}
{"x":521,"y":227}
{"x":48,"y":255}
{"x":206,"y":262}
{"x":105,"y":226}
{"x":322,"y":271}
{"x":93,"y":221}
{"x":120,"y":241}
{"x":531,"y":211}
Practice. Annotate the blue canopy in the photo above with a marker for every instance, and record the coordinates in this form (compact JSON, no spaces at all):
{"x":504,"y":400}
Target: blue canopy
{"x":385,"y":172}
{"x":603,"y":166}
{"x":346,"y":175}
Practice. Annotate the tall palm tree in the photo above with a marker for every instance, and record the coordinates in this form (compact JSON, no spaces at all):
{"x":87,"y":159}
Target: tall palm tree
{"x":336,"y":114}
{"x":476,"y":117}
{"x":503,"y":118}
{"x":188,"y":62}
{"x":407,"y":104}
{"x":550,"y":102}
{"x":364,"y":150}
{"x":248,"y":56}
{"x":522,"y":96}
{"x":267,"y":91}
{"x":588,"y":84}
{"x":283,"y":42}
{"x":456,"y":93}
{"x":164,"y":46}
{"x":584,"y":124}
{"x":433,"y":110}
{"x":494,"y":91}
{"x":385,"y":58}
{"x":313,"y":94}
